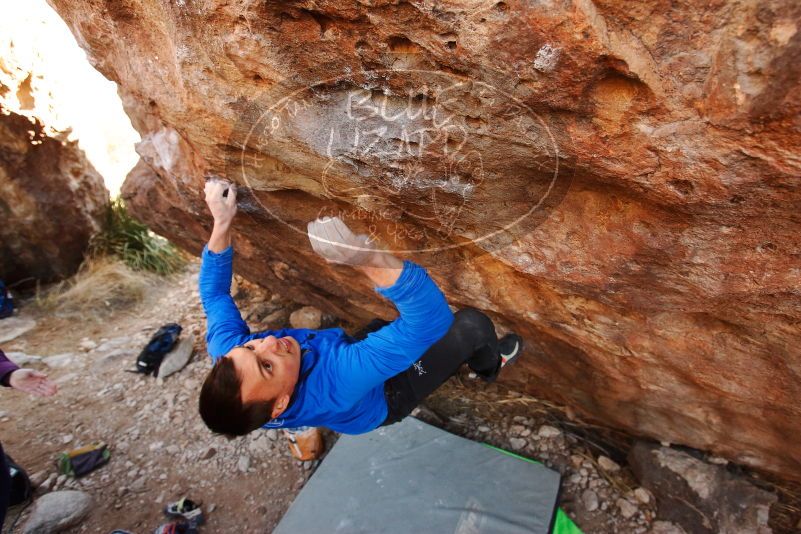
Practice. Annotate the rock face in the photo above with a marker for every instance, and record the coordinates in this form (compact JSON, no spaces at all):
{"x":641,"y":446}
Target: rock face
{"x":699,"y":496}
{"x":616,"y":182}
{"x":51,"y":201}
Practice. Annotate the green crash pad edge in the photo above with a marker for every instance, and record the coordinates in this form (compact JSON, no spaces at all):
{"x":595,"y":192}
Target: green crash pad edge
{"x":562,"y":523}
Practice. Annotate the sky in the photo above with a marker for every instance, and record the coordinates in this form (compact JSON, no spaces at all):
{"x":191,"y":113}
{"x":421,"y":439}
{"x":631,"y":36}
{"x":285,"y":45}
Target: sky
{"x":67,"y":91}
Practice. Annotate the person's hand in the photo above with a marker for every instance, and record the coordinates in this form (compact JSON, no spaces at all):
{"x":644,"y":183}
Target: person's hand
{"x":223,"y":208}
{"x":32,"y":382}
{"x":333,"y":240}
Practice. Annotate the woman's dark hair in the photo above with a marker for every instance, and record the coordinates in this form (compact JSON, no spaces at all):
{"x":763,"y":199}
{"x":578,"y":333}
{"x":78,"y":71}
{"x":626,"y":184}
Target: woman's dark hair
{"x":221,"y":406}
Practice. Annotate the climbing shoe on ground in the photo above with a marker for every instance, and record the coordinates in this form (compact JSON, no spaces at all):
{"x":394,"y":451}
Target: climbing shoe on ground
{"x":176,"y":527}
{"x":510,"y":346}
{"x":305,"y":443}
{"x":185,"y":509}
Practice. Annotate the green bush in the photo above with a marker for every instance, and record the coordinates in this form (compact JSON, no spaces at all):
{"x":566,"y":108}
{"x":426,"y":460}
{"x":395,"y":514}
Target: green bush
{"x":134,"y":244}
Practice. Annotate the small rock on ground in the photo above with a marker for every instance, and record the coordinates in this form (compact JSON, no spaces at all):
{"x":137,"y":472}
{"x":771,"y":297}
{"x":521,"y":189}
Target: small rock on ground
{"x":517,"y":443}
{"x":590,"y":500}
{"x":87,"y":344}
{"x":642,"y":495}
{"x":243,"y":464}
{"x":178,"y":357}
{"x":627,"y":509}
{"x":547,"y":431}
{"x":607,"y":464}
{"x":665,"y":527}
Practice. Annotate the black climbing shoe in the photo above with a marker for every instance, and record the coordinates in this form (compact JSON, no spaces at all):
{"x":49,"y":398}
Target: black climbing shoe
{"x":510,"y":346}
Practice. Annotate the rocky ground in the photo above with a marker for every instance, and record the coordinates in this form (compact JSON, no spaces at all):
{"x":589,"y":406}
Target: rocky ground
{"x":161,"y":450}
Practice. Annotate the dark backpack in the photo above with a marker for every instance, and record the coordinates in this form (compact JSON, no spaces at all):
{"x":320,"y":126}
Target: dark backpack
{"x":159,"y":345}
{"x":6,"y":302}
{"x":20,"y":483}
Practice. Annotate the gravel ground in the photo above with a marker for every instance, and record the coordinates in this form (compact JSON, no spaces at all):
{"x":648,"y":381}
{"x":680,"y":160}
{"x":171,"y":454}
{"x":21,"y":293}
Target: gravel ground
{"x":161,"y":450}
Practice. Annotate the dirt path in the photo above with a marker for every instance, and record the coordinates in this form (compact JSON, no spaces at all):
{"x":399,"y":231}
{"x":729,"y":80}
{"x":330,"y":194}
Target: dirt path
{"x":161,"y":450}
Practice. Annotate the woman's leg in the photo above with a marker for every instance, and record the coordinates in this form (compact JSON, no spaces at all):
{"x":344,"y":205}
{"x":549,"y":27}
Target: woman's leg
{"x":471,"y":339}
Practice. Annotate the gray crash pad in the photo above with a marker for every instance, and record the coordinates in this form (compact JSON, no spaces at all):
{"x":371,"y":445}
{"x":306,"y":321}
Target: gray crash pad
{"x":413,"y":477}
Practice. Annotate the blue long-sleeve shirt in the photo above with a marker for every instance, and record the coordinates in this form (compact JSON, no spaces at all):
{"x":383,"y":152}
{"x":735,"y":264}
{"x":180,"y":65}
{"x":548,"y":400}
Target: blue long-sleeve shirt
{"x":341,"y":382}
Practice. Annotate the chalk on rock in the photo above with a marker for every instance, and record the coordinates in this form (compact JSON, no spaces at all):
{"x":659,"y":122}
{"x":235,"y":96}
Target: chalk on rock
{"x":177,"y":358}
{"x":306,"y":317}
{"x":58,"y":511}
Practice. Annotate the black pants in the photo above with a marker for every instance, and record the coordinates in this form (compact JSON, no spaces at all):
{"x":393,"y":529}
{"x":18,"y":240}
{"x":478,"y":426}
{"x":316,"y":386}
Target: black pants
{"x":471,"y":339}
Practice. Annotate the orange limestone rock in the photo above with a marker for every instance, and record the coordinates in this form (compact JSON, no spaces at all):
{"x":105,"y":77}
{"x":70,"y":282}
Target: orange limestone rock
{"x":617,"y":181}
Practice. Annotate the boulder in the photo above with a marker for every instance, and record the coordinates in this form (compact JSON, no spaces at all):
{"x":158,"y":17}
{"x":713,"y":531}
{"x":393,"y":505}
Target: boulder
{"x":698,"y":496}
{"x":617,"y":182}
{"x":306,"y":317}
{"x":57,"y":511}
{"x":52,"y":201}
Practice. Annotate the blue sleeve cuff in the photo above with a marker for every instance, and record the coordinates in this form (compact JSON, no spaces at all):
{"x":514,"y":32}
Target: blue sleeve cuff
{"x":411,"y":276}
{"x":218,"y":257}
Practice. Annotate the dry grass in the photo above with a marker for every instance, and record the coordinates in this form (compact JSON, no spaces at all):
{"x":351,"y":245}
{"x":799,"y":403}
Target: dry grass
{"x":103,"y":284}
